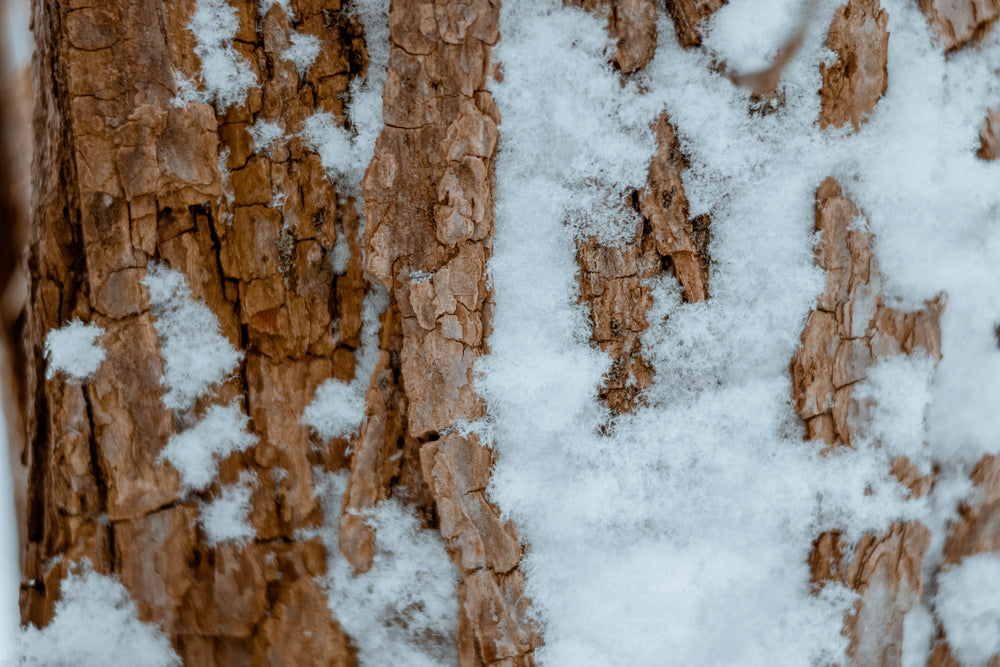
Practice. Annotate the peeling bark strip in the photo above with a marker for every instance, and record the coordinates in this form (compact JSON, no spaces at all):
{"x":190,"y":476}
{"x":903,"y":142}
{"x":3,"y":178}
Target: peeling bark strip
{"x":125,"y":176}
{"x":959,"y":22}
{"x":429,"y":208}
{"x":850,"y":328}
{"x":633,"y":25}
{"x":612,"y":277}
{"x":844,"y":337}
{"x":688,"y":14}
{"x":989,"y":136}
{"x":853,"y":84}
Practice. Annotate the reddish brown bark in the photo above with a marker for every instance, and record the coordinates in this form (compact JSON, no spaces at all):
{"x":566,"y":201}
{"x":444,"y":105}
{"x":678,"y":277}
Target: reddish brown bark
{"x":962,"y":22}
{"x":614,"y":278}
{"x":853,"y":84}
{"x":844,"y":337}
{"x":429,"y":205}
{"x":123,"y":179}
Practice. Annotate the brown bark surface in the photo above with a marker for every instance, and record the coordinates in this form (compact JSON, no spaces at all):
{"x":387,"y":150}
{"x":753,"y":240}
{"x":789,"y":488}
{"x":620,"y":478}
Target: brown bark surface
{"x":613,"y":278}
{"x":688,"y":14}
{"x":853,"y":84}
{"x":959,"y":22}
{"x":845,"y":336}
{"x":848,"y":332}
{"x":989,"y":136}
{"x":429,"y":208}
{"x":124,"y":179}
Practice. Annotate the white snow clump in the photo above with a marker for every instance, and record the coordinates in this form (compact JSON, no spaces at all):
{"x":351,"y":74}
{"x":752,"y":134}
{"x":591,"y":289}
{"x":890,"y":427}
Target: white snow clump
{"x":74,"y":350}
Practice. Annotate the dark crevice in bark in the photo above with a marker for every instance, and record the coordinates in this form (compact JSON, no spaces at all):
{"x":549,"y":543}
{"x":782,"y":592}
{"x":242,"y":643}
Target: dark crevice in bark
{"x":96,"y":462}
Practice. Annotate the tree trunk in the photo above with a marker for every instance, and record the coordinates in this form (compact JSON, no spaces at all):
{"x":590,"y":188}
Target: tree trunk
{"x":135,"y":175}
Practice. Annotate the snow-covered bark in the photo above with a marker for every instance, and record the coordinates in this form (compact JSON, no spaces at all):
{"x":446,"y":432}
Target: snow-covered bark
{"x":584,"y":332}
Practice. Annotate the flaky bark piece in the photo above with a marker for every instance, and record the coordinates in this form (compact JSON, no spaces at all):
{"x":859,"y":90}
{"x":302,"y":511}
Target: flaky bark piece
{"x":959,"y":22}
{"x":429,"y":195}
{"x":688,"y":15}
{"x":845,"y":336}
{"x":858,"y":78}
{"x":127,"y":176}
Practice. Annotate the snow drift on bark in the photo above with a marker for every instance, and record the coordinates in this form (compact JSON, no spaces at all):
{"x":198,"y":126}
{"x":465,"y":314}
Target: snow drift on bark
{"x":195,"y":355}
{"x":75,"y":350}
{"x":687,"y":525}
{"x":402,"y":611}
{"x":96,"y":624}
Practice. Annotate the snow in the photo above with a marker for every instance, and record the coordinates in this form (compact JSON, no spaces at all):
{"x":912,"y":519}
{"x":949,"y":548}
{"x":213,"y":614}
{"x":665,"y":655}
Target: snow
{"x":265,"y":134}
{"x":303,"y":51}
{"x":195,"y":355}
{"x":748,"y":35}
{"x":96,"y":624}
{"x":74,"y":350}
{"x":196,"y":451}
{"x":227,"y":75}
{"x":897,"y":420}
{"x":338,"y":408}
{"x":341,"y":254}
{"x":403,"y":611}
{"x":969,"y":608}
{"x":682,"y":529}
{"x":685,"y":529}
{"x":918,"y":630}
{"x":225,"y":519}
{"x":345,"y":154}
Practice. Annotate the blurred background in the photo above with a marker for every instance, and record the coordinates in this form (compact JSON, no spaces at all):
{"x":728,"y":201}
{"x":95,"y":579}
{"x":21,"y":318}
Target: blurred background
{"x":15,"y":168}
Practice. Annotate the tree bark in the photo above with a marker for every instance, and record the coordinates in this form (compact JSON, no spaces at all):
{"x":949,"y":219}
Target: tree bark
{"x":125,"y":179}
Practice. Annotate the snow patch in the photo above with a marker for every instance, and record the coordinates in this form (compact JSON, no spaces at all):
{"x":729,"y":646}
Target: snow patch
{"x":265,"y":134}
{"x":225,"y":518}
{"x":195,"y":355}
{"x":900,"y":389}
{"x":196,"y":452}
{"x":226,"y":74}
{"x":403,"y":611}
{"x":918,"y":630}
{"x":969,"y":608}
{"x":341,"y":254}
{"x":75,"y":350}
{"x":336,"y":410}
{"x":747,"y":34}
{"x":96,"y":624}
{"x":303,"y":51}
